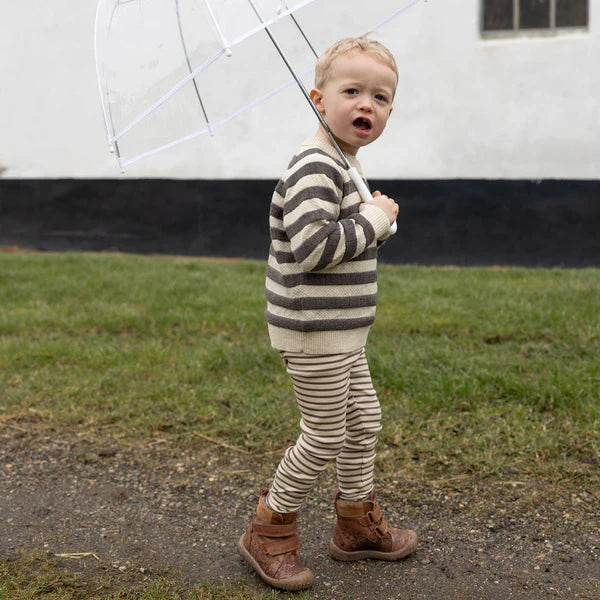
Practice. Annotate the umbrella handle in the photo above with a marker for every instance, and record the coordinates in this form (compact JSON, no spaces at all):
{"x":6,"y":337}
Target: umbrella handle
{"x":364,"y":192}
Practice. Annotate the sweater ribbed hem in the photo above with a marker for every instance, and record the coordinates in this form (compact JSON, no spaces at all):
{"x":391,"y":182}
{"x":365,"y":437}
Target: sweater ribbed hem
{"x":318,"y":342}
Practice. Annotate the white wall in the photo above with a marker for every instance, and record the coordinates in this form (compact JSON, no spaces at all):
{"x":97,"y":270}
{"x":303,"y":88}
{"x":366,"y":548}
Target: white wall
{"x":465,"y":108}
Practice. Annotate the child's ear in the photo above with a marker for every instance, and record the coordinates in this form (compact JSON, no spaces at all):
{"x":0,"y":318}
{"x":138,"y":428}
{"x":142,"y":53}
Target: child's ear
{"x":317,"y":97}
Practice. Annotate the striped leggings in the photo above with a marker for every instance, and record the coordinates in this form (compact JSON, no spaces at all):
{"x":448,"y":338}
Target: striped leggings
{"x":340,"y":420}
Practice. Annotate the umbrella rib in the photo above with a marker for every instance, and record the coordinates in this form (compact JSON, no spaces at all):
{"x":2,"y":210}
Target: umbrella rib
{"x":104,"y":95}
{"x":218,"y":28}
{"x":187,"y":60}
{"x":115,"y":144}
{"x":304,"y":35}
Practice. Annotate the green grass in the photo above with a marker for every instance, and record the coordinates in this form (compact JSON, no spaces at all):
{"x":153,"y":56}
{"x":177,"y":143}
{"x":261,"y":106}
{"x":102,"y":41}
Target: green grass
{"x":36,"y":578}
{"x":482,"y":371}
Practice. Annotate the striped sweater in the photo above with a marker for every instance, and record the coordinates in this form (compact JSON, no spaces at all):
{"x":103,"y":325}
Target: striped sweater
{"x":321,"y":284}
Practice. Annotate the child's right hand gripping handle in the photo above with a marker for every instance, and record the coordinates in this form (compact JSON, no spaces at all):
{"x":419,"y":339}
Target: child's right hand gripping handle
{"x":364,"y":192}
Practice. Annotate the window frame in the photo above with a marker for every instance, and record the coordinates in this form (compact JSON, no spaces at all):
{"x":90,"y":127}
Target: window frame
{"x":516,"y":31}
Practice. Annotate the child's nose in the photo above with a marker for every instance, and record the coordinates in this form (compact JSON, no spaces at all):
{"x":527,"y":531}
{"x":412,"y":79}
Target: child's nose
{"x":365,"y":103}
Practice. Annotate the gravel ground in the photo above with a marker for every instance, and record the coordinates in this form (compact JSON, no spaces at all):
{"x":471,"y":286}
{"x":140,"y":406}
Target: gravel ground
{"x":131,"y":514}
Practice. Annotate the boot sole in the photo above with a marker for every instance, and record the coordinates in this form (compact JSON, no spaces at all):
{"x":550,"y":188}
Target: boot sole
{"x":409,"y":548}
{"x":301,"y":581}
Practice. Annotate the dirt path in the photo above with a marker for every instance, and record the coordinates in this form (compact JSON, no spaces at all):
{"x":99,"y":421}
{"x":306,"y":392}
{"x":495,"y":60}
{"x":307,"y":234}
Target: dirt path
{"x":163,"y":509}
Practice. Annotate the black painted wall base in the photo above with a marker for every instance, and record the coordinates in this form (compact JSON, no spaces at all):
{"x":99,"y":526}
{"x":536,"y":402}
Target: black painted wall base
{"x":442,"y":222}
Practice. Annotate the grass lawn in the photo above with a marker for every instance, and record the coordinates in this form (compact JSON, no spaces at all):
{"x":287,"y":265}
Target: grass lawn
{"x":37,"y":579}
{"x":487,"y":372}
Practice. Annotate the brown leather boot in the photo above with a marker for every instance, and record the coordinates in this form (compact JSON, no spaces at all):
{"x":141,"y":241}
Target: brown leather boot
{"x":361,"y":532}
{"x":270,"y":546}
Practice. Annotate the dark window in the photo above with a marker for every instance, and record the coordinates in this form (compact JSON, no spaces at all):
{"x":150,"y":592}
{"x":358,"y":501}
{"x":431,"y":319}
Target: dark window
{"x":571,"y":13}
{"x":497,"y":15}
{"x":517,"y":15}
{"x":534,"y":14}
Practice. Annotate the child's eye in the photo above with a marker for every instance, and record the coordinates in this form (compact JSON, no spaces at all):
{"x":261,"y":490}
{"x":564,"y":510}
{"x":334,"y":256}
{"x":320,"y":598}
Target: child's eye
{"x":351,"y":91}
{"x":380,"y":98}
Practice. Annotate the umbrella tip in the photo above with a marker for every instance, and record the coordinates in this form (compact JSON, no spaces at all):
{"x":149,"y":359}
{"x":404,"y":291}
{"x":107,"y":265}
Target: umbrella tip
{"x":111,"y":149}
{"x":228,"y":52}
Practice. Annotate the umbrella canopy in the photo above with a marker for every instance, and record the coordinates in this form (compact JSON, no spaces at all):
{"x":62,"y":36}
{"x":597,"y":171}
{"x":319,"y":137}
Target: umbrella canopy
{"x":173,"y":70}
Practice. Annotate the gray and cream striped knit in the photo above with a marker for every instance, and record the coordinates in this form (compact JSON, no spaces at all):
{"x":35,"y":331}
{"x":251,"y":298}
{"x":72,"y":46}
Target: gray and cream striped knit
{"x":321,"y":284}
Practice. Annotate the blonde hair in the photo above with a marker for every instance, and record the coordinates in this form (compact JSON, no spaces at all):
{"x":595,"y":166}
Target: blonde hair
{"x":362,"y":44}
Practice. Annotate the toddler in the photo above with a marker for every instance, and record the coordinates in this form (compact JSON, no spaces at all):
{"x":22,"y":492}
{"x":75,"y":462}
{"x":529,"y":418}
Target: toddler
{"x":321,"y":291}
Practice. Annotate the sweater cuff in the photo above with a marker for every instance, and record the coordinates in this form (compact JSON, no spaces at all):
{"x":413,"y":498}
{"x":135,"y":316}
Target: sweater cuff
{"x":377,"y":218}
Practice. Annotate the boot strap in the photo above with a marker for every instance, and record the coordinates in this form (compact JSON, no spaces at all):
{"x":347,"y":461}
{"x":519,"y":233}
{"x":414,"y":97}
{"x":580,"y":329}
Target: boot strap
{"x":281,"y":546}
{"x":376,"y":523}
{"x":275,"y":531}
{"x":373,"y":517}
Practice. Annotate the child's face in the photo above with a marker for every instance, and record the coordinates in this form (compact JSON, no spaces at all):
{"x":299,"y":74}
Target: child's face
{"x":356,"y":100}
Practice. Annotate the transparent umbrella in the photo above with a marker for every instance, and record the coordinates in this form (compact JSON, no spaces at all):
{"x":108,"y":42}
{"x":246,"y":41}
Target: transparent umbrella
{"x":170,"y":71}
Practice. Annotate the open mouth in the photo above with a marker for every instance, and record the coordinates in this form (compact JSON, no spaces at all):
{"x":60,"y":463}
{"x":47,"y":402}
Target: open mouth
{"x":362,"y":124}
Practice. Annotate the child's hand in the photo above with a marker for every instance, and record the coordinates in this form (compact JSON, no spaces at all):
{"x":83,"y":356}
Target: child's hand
{"x":386,"y":204}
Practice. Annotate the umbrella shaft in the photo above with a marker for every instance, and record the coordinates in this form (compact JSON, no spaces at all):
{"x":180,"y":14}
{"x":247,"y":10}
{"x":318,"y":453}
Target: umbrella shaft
{"x":302,"y":87}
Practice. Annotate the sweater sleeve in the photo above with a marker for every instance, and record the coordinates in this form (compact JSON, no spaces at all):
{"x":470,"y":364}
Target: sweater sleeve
{"x":320,"y":237}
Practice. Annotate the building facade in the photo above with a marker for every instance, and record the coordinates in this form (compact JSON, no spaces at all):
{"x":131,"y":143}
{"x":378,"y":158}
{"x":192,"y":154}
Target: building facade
{"x":492,"y":146}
